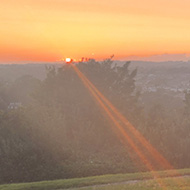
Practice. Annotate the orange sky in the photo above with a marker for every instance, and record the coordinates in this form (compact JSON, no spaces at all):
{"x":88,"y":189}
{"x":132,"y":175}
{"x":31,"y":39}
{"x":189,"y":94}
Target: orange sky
{"x":49,"y":30}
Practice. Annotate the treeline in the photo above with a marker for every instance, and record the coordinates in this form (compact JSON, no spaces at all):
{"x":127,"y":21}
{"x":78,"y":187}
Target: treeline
{"x":54,"y":128}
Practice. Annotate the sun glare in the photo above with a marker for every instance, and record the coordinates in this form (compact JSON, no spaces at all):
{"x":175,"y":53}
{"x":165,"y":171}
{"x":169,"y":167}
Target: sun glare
{"x":68,"y":60}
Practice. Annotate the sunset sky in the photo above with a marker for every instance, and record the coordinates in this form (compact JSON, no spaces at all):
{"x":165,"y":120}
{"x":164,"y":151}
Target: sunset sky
{"x":51,"y":30}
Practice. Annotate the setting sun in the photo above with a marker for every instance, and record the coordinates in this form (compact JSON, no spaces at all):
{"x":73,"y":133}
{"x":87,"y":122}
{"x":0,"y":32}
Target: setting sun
{"x":68,"y":60}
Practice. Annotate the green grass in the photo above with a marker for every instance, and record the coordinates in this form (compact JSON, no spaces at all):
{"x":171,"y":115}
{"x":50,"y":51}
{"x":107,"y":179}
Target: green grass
{"x":169,"y":184}
{"x":98,"y":180}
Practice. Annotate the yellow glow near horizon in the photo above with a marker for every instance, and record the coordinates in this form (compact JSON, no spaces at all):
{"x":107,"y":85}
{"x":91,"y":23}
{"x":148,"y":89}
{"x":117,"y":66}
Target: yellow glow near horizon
{"x":45,"y":30}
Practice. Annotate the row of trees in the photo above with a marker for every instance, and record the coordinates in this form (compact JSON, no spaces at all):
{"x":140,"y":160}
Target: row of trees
{"x":60,"y":131}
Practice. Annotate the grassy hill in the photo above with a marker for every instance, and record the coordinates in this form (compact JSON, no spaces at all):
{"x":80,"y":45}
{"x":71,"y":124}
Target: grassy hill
{"x":120,"y":181}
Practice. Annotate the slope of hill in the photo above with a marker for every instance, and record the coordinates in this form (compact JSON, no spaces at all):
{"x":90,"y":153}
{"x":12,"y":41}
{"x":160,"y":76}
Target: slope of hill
{"x":118,"y":181}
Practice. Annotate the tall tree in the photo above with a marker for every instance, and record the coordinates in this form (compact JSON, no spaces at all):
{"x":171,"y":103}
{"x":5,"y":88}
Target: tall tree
{"x":116,"y":82}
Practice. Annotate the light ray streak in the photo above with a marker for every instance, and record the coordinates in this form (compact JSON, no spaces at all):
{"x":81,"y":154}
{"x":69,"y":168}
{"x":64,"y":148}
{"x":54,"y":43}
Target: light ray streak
{"x":120,"y":128}
{"x":157,"y":156}
{"x":160,"y":159}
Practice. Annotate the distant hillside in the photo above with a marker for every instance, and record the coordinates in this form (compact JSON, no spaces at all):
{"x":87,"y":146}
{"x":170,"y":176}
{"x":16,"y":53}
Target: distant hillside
{"x":168,"y":79}
{"x":10,"y":72}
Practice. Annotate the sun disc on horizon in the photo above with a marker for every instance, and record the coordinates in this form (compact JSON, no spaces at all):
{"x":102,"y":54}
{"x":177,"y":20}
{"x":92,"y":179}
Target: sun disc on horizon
{"x":68,"y":60}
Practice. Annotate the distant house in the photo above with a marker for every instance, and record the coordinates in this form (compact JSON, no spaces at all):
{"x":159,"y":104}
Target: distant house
{"x":14,"y":105}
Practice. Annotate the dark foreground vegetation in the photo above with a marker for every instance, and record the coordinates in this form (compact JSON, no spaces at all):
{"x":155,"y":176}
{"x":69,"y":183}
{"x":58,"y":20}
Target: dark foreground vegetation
{"x":53,"y":128}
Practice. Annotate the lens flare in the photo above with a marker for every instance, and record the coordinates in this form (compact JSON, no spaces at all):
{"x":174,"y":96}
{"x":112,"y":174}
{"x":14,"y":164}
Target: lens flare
{"x":122,"y":131}
{"x":114,"y":115}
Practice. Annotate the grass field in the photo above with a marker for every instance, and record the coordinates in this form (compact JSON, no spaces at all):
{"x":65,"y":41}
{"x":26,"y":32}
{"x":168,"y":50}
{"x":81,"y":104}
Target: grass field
{"x":144,"y":185}
{"x":144,"y":181}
